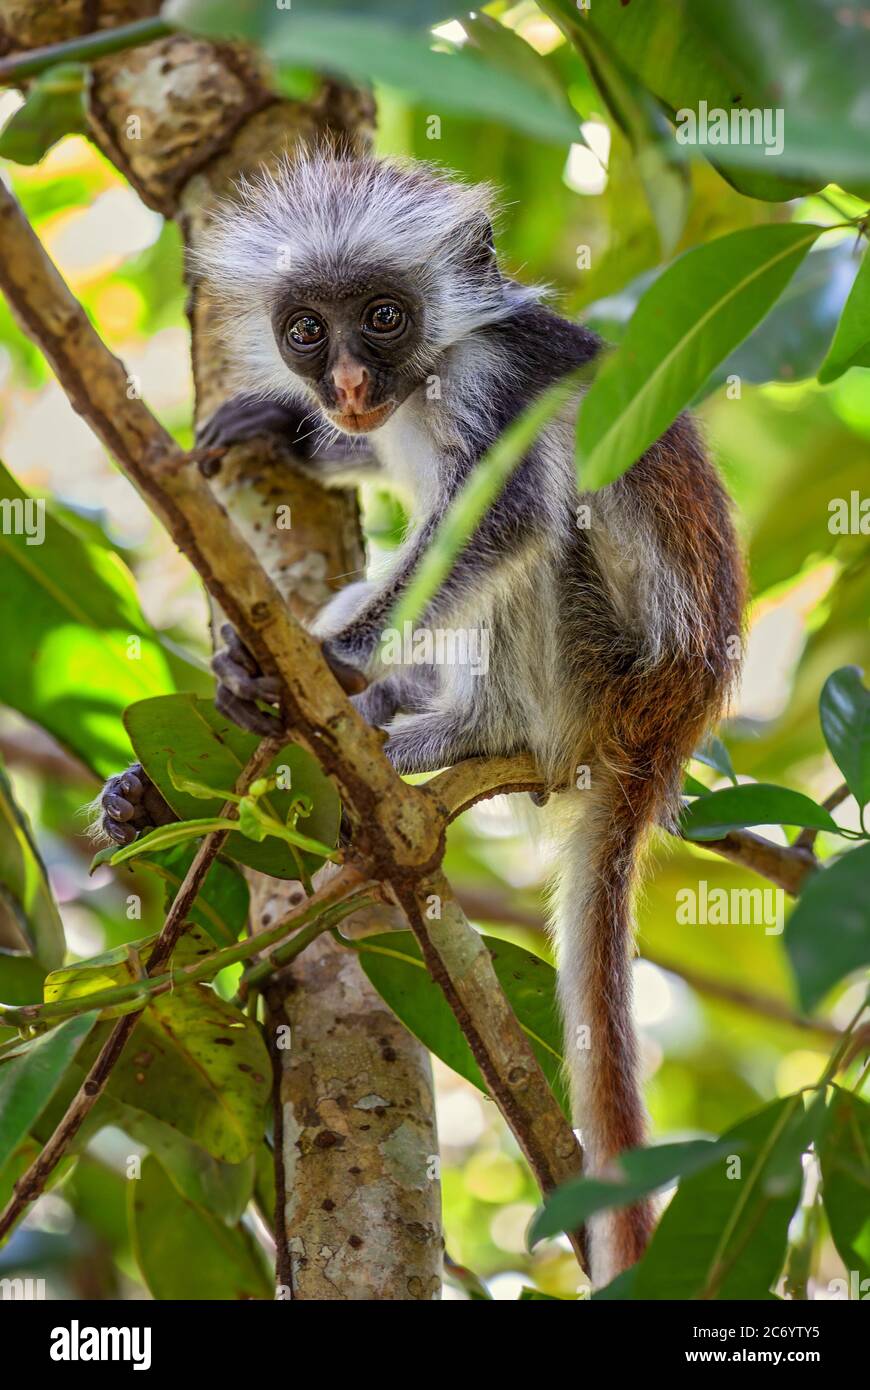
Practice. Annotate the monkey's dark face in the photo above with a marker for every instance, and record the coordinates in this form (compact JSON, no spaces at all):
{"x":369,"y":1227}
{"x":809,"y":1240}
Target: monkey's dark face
{"x":356,"y":346}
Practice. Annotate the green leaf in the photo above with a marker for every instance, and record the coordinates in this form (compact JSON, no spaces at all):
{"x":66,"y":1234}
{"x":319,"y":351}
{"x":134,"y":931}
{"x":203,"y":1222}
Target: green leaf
{"x":725,"y":1232}
{"x":125,"y":964}
{"x":828,"y":934}
{"x":54,"y":107}
{"x":798,"y":55}
{"x":199,"y":1065}
{"x":845,"y":1158}
{"x":21,"y":978}
{"x":221,"y":906}
{"x":119,"y":966}
{"x":184,"y":1252}
{"x":164,"y":837}
{"x":30,"y":1078}
{"x":637,"y":1173}
{"x":26,"y":900}
{"x":211,"y":750}
{"x":851,"y":345}
{"x":714,"y":754}
{"x":389,"y":50}
{"x":690,"y":318}
{"x":752,"y":803}
{"x":790,"y":341}
{"x":72,"y":666}
{"x":395,"y":967}
{"x":665,"y":183}
{"x":844,"y":710}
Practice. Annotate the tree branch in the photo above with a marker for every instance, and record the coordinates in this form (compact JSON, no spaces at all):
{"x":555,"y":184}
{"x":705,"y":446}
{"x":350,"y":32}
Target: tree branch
{"x":478,"y":779}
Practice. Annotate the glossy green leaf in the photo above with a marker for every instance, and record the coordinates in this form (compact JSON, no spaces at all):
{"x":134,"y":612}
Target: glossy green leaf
{"x":665,"y":182}
{"x":844,"y":710}
{"x":828,"y":934}
{"x":184,"y":1252}
{"x":29,"y":1079}
{"x":386,"y":50}
{"x":751,"y":803}
{"x":791,"y":341}
{"x":199,"y":1065}
{"x":845,"y":1158}
{"x":788,"y":344}
{"x":639,"y":1173}
{"x":395,"y":967}
{"x":713,"y":753}
{"x":211,"y":750}
{"x":26,"y":900}
{"x":801,"y":56}
{"x":54,"y":107}
{"x":21,"y":978}
{"x":86,"y":650}
{"x":121,"y":965}
{"x":725,"y":1232}
{"x":221,"y":906}
{"x":851,"y":345}
{"x":690,"y":318}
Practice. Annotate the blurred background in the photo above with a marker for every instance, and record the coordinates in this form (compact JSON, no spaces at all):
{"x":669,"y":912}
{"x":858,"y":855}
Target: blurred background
{"x":715,"y":1004}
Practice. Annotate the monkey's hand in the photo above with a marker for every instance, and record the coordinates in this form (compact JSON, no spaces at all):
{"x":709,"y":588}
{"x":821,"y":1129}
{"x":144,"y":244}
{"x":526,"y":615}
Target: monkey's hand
{"x":248,"y":417}
{"x":335,"y":460}
{"x":242,"y":686}
{"x":131,"y":804}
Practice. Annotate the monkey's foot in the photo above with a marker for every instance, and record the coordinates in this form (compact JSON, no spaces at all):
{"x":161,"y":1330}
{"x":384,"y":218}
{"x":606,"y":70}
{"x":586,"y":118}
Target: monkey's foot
{"x":241,"y":684}
{"x":131,"y":804}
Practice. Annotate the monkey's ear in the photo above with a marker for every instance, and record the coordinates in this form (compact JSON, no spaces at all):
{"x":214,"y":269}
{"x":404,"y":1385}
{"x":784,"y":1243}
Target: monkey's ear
{"x":481,"y":244}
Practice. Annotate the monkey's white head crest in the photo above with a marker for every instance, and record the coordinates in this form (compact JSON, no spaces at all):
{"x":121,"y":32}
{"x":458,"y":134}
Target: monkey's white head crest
{"x":329,"y":219}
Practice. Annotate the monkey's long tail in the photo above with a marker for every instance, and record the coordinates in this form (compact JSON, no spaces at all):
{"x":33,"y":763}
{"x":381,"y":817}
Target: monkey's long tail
{"x":600,"y":832}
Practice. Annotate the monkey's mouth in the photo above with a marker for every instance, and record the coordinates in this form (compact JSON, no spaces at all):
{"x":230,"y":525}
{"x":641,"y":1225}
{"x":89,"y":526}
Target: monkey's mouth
{"x":365,"y":421}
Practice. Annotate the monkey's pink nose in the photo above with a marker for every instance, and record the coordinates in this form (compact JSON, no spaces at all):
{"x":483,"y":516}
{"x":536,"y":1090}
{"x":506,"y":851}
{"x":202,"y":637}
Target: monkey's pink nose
{"x":351,"y":381}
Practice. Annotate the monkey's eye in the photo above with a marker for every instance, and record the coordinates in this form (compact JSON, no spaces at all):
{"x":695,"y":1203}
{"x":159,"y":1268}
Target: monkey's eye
{"x":385,"y":317}
{"x":306,"y":331}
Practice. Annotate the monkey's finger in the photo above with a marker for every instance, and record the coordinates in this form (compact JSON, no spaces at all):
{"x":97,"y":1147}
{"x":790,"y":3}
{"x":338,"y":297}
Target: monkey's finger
{"x":154,"y":810}
{"x":117,"y":806}
{"x":241,"y":654}
{"x":239,"y":683}
{"x":116,"y":830}
{"x":130,"y":783}
{"x":350,"y":678}
{"x":245,"y":713}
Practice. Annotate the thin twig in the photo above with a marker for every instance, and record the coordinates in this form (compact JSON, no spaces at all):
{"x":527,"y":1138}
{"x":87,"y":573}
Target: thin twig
{"x":85,"y":48}
{"x":807,"y":838}
{"x":30,"y":1185}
